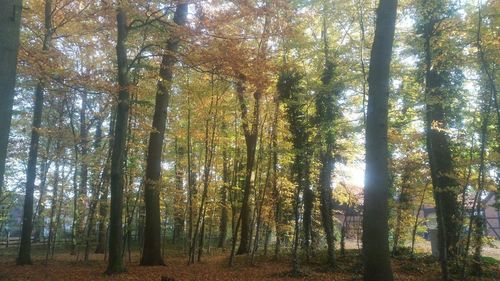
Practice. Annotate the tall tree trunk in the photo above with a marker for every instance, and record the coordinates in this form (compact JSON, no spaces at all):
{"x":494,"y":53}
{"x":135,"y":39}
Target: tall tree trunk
{"x":24,"y":256}
{"x":326,"y":114}
{"x":97,"y":184}
{"x":84,"y":170}
{"x":103,"y":199}
{"x":263,"y":194}
{"x":151,"y":254}
{"x":76,"y":213}
{"x":209,"y":150}
{"x":53,"y":204}
{"x":191,"y":181}
{"x":278,"y":200}
{"x":250,"y":130}
{"x":377,"y":264}
{"x":60,"y":199}
{"x":38,"y":221}
{"x":488,"y":104}
{"x":415,"y":225}
{"x":292,"y":93}
{"x":115,"y":262}
{"x":402,"y":206}
{"x":445,"y":186}
{"x":223,"y":192}
{"x":179,"y":210}
{"x":10,"y":23}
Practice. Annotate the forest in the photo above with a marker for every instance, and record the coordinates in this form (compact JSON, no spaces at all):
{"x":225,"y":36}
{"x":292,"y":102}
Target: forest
{"x":249,"y":140}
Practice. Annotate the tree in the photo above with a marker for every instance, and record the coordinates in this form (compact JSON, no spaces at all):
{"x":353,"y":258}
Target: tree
{"x":250,"y":130}
{"x":440,"y":80}
{"x":151,"y":254}
{"x":24,"y":256}
{"x":115,"y":263}
{"x":376,"y":257}
{"x":327,"y":112}
{"x":292,"y":94}
{"x":10,"y":23}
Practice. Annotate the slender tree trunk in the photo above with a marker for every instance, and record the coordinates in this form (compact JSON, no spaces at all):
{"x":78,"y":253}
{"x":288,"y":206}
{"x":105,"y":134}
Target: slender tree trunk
{"x":250,"y":130}
{"x":97,"y":183}
{"x":291,"y":91}
{"x":377,"y":265}
{"x":223,"y":191}
{"x":210,"y":227}
{"x":191,"y":185}
{"x":445,"y":185}
{"x":60,"y":207}
{"x":278,"y":211}
{"x":402,"y":206}
{"x":296,"y":230}
{"x":262,"y":200}
{"x":151,"y":254}
{"x":488,"y":104}
{"x":84,"y":170}
{"x":38,"y":221}
{"x":115,"y":263}
{"x":24,"y":256}
{"x":60,"y":200}
{"x":10,"y":22}
{"x":103,"y":199}
{"x":179,"y":196}
{"x":415,"y":225}
{"x":327,"y":112}
{"x":76,"y":215}
{"x":53,"y":204}
{"x":209,"y":150}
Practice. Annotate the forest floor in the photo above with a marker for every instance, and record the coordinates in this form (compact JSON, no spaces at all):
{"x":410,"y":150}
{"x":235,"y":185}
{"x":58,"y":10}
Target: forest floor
{"x":215,"y":267}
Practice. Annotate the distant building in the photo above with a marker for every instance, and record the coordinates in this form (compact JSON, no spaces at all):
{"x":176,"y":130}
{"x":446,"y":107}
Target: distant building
{"x":490,"y":211}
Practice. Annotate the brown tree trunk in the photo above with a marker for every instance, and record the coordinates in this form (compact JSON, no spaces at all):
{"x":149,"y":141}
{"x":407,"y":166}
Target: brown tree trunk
{"x":209,"y":150}
{"x":24,"y":256}
{"x":53,"y":204}
{"x":97,"y":184}
{"x":278,"y":200}
{"x":10,"y":22}
{"x":444,"y":183}
{"x":223,"y":192}
{"x":84,"y":170}
{"x":38,"y":221}
{"x":326,"y":114}
{"x":377,"y":264}
{"x":179,"y":195}
{"x":151,"y":254}
{"x":104,"y":192}
{"x":402,"y":206}
{"x":250,"y":131}
{"x":115,"y":262}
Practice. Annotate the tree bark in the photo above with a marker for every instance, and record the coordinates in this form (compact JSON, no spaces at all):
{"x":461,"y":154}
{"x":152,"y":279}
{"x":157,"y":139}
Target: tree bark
{"x":24,"y":256}
{"x":445,"y":186}
{"x":84,"y":170}
{"x":278,"y":200}
{"x":103,"y":195}
{"x":326,"y":113}
{"x":377,"y":265}
{"x":115,"y":262}
{"x":250,"y":131}
{"x":179,"y":210}
{"x":97,"y":184}
{"x":223,"y":191}
{"x":292,"y":93}
{"x":151,"y":254}
{"x":10,"y":23}
{"x":402,"y":207}
{"x":38,"y":221}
